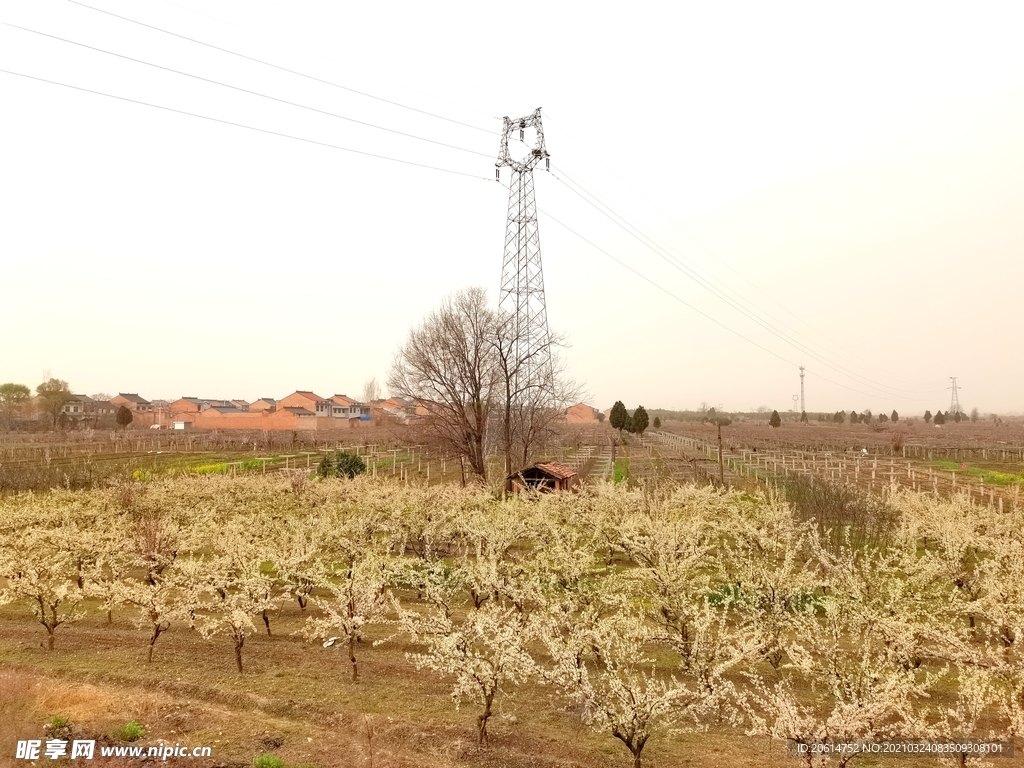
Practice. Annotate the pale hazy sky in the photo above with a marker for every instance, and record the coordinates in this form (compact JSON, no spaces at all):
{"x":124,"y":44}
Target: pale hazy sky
{"x":851,"y":174}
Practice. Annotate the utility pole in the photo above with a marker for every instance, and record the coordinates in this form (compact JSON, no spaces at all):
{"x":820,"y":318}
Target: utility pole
{"x":721,"y":465}
{"x":954,"y":403}
{"x":803,"y":409}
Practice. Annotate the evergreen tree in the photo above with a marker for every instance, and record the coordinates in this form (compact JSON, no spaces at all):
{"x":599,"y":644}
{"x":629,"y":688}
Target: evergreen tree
{"x":927,"y":417}
{"x":657,"y":423}
{"x":640,"y":420}
{"x":854,"y":418}
{"x":882,"y":418}
{"x":940,"y":418}
{"x":618,"y":416}
{"x":775,"y":421}
{"x":895,"y":416}
{"x":803,"y":417}
{"x":124,"y":417}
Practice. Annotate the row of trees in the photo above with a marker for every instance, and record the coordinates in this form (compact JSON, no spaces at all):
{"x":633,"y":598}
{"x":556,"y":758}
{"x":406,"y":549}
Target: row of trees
{"x":864,"y":417}
{"x":634,"y":423}
{"x":484,"y":386}
{"x":647,"y":612}
{"x":957,"y":417}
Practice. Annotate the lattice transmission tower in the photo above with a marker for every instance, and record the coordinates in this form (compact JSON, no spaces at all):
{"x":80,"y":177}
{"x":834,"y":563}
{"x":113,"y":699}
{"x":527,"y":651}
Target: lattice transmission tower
{"x":521,"y":298}
{"x":954,"y":402}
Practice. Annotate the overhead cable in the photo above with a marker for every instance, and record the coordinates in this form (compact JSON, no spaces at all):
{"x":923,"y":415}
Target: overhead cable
{"x":704,"y":247}
{"x":283,"y":69}
{"x":646,"y":241}
{"x":685,"y":303}
{"x":246,"y":90}
{"x":247,"y":127}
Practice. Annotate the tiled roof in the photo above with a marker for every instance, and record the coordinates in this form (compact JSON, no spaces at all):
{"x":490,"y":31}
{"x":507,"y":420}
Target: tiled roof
{"x":554,"y":469}
{"x":310,"y":395}
{"x":133,"y":398}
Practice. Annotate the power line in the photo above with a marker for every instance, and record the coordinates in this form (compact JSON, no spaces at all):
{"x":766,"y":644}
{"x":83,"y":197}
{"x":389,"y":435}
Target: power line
{"x":682,"y":268}
{"x":674,"y":261}
{"x":690,"y":306}
{"x":673,"y":254}
{"x":246,"y":90}
{"x":247,"y":127}
{"x":357,"y":69}
{"x":284,"y":69}
{"x":705,"y":247}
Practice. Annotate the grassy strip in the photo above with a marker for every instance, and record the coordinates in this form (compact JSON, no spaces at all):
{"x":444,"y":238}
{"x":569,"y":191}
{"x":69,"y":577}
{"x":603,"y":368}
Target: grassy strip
{"x":621,"y":469}
{"x":989,"y":476}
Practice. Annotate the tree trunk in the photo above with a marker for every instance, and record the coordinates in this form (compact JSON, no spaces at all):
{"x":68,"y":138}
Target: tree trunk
{"x":238,"y":655}
{"x":266,"y":621}
{"x":352,"y":657}
{"x":110,"y":617}
{"x":49,"y":639}
{"x":482,"y":720}
{"x":157,"y":629}
{"x":302,"y":602}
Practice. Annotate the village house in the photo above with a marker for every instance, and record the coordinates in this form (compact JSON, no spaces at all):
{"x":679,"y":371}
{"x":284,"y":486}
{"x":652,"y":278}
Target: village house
{"x":144,"y":413}
{"x":319,"y":406}
{"x":581,"y":413}
{"x":132,"y":402}
{"x":185,"y":405}
{"x":87,"y":411}
{"x":301,"y":410}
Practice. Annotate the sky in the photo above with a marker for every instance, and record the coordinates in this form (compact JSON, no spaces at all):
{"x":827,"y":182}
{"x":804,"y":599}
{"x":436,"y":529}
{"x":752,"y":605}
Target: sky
{"x":736,"y":190}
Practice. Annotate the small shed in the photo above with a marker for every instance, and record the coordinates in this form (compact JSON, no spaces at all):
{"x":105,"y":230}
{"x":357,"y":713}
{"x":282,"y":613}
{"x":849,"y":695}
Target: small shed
{"x":543,"y":476}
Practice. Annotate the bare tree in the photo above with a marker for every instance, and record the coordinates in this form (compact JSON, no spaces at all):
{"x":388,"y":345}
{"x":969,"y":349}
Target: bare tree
{"x":371,"y":390}
{"x":534,"y":397}
{"x":448,"y":364}
{"x":534,"y":392}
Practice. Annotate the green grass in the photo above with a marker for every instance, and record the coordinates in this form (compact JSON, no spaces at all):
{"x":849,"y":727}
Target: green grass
{"x":989,"y":476}
{"x":621,"y":469}
{"x":130,"y":732}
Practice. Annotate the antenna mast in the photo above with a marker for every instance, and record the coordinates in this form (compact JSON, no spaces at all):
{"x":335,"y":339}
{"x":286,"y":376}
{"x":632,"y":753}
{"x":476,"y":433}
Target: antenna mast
{"x":954,"y":402}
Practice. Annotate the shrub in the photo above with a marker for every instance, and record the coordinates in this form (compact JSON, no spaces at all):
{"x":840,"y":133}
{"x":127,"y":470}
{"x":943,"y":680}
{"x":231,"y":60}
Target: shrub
{"x":132,"y":731}
{"x":341,"y":464}
{"x":268,"y":761}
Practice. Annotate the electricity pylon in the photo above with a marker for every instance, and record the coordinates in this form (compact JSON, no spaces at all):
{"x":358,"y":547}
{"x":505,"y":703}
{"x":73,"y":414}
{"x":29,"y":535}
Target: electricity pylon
{"x":954,"y":402}
{"x":521,"y":299}
{"x":802,"y":408}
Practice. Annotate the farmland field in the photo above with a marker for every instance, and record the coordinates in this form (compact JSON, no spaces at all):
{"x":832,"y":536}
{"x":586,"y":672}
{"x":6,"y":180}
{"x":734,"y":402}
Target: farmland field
{"x":663,"y":623}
